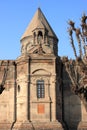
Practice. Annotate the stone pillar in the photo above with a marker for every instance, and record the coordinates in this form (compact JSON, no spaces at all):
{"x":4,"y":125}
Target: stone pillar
{"x":21,"y":100}
{"x":46,"y":40}
{"x":53,"y":96}
{"x":83,"y":123}
{"x":36,"y":38}
{"x":22,"y":97}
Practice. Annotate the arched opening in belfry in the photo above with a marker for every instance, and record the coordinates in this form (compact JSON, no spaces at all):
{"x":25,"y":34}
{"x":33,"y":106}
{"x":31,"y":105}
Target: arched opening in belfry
{"x":40,"y":36}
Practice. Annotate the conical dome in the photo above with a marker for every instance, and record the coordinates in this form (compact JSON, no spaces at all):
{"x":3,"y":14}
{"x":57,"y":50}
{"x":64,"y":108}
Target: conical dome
{"x":39,"y":36}
{"x":38,"y":21}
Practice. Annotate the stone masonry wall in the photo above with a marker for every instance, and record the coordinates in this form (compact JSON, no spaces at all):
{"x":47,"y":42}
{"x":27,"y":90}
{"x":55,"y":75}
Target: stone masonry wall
{"x":7,"y":100}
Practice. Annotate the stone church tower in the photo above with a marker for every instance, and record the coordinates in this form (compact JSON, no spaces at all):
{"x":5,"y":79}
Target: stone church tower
{"x":29,"y":98}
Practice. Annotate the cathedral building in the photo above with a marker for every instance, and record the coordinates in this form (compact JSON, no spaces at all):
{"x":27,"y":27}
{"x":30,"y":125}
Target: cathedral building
{"x":35,"y":91}
{"x":29,"y":98}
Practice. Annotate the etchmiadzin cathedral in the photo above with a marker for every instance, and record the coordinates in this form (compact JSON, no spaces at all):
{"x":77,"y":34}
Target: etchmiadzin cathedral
{"x":40,"y":90}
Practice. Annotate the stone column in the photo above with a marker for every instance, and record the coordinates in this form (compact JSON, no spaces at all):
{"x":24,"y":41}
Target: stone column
{"x":22,"y":97}
{"x":53,"y":98}
{"x":83,"y":123}
{"x":21,"y":101}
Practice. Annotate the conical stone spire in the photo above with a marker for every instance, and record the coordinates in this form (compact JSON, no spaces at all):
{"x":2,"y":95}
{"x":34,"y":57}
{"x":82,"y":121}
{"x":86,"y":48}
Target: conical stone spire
{"x":39,"y":36}
{"x":38,"y":21}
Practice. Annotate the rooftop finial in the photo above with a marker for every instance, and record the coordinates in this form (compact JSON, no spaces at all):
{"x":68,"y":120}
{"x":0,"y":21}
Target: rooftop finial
{"x":39,"y":4}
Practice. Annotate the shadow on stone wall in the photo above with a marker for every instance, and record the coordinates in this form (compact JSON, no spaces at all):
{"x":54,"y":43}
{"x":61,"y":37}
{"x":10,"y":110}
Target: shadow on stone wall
{"x":69,"y":103}
{"x":72,"y":111}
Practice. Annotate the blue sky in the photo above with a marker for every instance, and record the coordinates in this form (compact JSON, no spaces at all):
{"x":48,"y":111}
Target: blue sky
{"x":15,"y":16}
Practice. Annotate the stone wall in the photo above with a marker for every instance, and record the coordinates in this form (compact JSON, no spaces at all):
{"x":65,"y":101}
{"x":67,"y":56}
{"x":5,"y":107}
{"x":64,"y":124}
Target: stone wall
{"x":71,"y":103}
{"x":18,"y":102}
{"x":7,"y":100}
